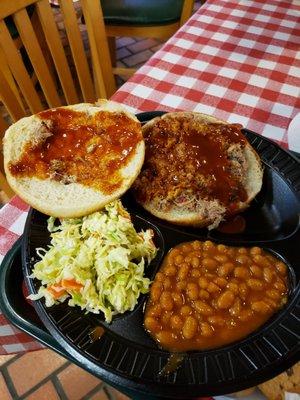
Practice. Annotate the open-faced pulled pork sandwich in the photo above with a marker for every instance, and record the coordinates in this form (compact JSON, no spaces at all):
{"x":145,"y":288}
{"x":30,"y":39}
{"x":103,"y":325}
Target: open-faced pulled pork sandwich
{"x":197,"y":170}
{"x":71,"y":161}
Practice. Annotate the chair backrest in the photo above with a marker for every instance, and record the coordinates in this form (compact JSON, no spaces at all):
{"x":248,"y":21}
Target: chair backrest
{"x":42,"y":74}
{"x":41,"y":56}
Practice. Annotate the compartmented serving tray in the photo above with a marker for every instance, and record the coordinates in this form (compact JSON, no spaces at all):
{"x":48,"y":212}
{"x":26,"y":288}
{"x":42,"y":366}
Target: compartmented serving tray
{"x":126,"y":355}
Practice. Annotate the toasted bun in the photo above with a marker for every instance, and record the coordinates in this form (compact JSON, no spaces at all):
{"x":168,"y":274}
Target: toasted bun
{"x":206,"y":212}
{"x":68,"y":199}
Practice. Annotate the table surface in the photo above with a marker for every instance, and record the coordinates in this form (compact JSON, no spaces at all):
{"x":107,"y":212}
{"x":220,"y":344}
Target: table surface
{"x":236,"y":60}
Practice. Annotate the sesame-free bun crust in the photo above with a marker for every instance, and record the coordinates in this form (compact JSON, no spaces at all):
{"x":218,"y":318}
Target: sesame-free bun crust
{"x":209,"y":212}
{"x":53,"y":197}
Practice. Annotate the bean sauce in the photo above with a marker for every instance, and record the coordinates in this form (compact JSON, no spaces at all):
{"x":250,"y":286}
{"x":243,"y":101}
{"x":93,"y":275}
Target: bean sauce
{"x":206,"y":295}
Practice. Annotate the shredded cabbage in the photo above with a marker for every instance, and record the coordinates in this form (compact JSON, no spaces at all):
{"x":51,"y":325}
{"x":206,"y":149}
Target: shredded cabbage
{"x":96,"y":262}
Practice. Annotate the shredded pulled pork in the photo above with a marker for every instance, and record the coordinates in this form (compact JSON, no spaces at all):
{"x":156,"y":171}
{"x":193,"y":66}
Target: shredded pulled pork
{"x":188,"y":162}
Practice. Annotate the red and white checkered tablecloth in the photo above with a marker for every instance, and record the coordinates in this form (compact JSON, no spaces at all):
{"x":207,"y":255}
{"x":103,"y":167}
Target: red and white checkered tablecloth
{"x":237,"y":60}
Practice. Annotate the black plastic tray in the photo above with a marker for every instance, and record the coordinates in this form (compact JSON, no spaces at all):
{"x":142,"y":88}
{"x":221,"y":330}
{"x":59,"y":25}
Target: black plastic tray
{"x":22,"y":315}
{"x":127,"y":356}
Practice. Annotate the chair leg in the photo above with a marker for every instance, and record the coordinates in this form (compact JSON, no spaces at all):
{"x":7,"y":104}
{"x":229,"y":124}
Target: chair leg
{"x":112,"y":49}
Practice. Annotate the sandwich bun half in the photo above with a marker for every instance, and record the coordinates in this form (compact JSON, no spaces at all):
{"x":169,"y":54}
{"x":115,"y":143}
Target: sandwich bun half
{"x":180,"y":182}
{"x":70,"y":161}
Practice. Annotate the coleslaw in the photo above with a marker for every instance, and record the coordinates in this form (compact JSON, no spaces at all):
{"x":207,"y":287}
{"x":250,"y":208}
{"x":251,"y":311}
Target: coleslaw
{"x":96,"y":262}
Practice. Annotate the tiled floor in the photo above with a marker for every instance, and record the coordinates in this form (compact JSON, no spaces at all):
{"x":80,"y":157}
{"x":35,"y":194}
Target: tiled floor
{"x":44,"y":375}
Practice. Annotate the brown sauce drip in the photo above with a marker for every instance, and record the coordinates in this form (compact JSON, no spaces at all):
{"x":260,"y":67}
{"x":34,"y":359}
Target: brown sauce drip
{"x":96,"y":333}
{"x":192,"y":160}
{"x":234,"y":225}
{"x":87,"y":149}
{"x":172,"y":364}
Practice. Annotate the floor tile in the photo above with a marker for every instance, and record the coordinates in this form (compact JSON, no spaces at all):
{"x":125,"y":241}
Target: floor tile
{"x":137,"y":58}
{"x":123,"y":52}
{"x":142,"y":45}
{"x":100,"y":395}
{"x":45,"y":392}
{"x":5,"y":359}
{"x":76,"y":382}
{"x":124,"y":41}
{"x":4,"y":392}
{"x":28,"y":370}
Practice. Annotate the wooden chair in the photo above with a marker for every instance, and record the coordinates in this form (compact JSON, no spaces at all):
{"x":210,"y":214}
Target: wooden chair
{"x":71,"y":86}
{"x":143,"y":18}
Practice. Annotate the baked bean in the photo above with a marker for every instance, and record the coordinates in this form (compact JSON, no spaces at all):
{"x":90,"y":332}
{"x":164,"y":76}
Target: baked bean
{"x":159,"y":277}
{"x":213,"y":288}
{"x":242,"y":250}
{"x":195,"y":262}
{"x":179,"y":259}
{"x":167,"y":283}
{"x":236,"y":308}
{"x":243,"y":291}
{"x":195,"y":273}
{"x":166,"y":318}
{"x":152,"y":324}
{"x":155,"y":310}
{"x":165,"y":338}
{"x":255,"y":284}
{"x":174,"y":253}
{"x":190,"y":327}
{"x":261,"y":260}
{"x":233,"y":287}
{"x":203,"y":294}
{"x":171,"y":271}
{"x":216,"y":320}
{"x":209,"y":263}
{"x":206,"y":329}
{"x":188,"y":259}
{"x":178,"y":299}
{"x":221,"y":258}
{"x":225,"y":300}
{"x":197,"y":245}
{"x":203,"y":308}
{"x":187,"y":248}
{"x":260,"y":307}
{"x":221,"y":248}
{"x":181,"y":285}
{"x":203,"y":282}
{"x":186,"y":310}
{"x":255,"y":251}
{"x":225,"y":269}
{"x":231,"y":252}
{"x":273,"y":294}
{"x":176,"y":322}
{"x":221,"y":282}
{"x":241,"y":273}
{"x":155,"y":291}
{"x":256,"y":271}
{"x":281,"y":268}
{"x":268,"y":274}
{"x":279,"y":285}
{"x":209,"y":295}
{"x":192,"y":291}
{"x":183,"y":271}
{"x":166,"y":301}
{"x":208,"y":245}
{"x":271,"y":302}
{"x":243,"y":259}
